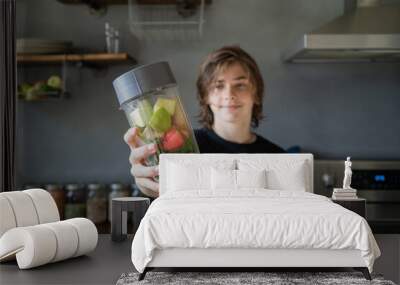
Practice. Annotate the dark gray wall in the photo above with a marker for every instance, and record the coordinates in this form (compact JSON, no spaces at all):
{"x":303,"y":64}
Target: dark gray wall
{"x":331,"y":110}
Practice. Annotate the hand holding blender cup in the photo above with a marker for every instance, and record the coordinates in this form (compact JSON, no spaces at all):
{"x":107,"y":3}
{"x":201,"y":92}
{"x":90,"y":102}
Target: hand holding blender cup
{"x":150,"y":99}
{"x":140,"y":152}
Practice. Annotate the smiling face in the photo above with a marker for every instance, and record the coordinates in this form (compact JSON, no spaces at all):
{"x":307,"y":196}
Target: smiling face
{"x":224,"y":72}
{"x":232,"y":96}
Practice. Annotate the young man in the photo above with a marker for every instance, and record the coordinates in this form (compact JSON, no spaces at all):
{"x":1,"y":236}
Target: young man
{"x":230,"y":92}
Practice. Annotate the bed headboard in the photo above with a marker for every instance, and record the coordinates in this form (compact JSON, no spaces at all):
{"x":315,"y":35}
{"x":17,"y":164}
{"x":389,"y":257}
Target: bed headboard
{"x":245,"y":160}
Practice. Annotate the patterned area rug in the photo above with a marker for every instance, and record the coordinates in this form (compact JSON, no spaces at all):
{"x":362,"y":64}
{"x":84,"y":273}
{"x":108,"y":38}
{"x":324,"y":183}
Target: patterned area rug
{"x":229,"y":278}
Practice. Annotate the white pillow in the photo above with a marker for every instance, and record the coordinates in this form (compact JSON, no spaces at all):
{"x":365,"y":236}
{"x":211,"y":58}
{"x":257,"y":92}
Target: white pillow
{"x":226,"y":179}
{"x":290,"y":179}
{"x":184,"y":175}
{"x":223,"y":179}
{"x":280,"y":174}
{"x":251,"y":178}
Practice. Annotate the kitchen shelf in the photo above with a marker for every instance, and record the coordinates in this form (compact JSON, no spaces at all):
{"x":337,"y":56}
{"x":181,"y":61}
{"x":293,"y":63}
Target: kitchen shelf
{"x":166,"y":22}
{"x":166,"y":2}
{"x":119,"y":2}
{"x":41,"y":96}
{"x":102,"y":2}
{"x":90,"y":58}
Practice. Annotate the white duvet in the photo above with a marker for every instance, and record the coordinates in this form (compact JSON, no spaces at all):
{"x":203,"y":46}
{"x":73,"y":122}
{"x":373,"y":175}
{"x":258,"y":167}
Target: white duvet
{"x":253,"y":218}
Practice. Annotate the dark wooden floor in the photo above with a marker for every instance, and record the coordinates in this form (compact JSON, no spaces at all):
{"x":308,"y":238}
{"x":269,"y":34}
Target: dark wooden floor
{"x":102,"y":266}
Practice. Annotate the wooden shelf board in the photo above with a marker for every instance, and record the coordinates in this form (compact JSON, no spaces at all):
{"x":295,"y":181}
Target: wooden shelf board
{"x":166,"y":2}
{"x":125,"y":2}
{"x":109,"y":2}
{"x":59,"y":58}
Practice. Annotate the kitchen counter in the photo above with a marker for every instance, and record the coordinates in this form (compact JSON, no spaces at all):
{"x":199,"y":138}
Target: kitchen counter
{"x":102,"y":266}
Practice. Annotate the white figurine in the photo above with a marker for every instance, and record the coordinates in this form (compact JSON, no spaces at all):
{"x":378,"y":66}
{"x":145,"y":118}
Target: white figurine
{"x":347,"y":174}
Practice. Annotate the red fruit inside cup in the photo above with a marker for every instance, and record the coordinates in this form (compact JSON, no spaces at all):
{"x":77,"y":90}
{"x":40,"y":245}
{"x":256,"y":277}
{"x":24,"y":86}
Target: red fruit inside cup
{"x":172,"y":140}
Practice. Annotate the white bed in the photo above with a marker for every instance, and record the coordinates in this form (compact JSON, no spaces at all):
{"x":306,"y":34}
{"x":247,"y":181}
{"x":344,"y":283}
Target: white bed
{"x":247,"y":210}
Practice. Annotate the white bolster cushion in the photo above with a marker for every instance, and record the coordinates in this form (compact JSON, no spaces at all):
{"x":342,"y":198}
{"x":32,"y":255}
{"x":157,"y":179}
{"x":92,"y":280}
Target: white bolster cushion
{"x":45,"y":205}
{"x":26,"y":208}
{"x":33,"y":246}
{"x":23,"y":208}
{"x":67,"y":240}
{"x":87,"y":235}
{"x":41,"y":244}
{"x":7,"y":218}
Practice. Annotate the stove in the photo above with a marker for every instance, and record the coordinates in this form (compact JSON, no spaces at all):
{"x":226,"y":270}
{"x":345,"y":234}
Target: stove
{"x":376,"y":181}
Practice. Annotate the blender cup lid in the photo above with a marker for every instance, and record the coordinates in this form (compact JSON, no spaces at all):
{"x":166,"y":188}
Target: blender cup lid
{"x":143,"y":79}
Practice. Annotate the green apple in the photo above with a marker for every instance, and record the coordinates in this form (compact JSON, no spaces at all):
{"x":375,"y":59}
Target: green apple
{"x":161,"y":120}
{"x":25,"y":87}
{"x":142,"y":114}
{"x":167,"y":104}
{"x":146,"y":110}
{"x":54,"y":81}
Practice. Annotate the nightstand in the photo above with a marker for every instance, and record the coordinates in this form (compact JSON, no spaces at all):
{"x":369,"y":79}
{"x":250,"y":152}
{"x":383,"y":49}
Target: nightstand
{"x":356,"y":205}
{"x":120,"y":208}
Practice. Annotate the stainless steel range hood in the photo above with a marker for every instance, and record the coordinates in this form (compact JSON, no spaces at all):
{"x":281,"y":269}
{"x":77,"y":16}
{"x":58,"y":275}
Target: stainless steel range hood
{"x":368,"y":31}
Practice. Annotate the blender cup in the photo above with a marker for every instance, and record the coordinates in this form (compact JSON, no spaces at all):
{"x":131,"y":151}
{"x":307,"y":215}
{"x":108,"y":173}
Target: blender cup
{"x":149,"y":96}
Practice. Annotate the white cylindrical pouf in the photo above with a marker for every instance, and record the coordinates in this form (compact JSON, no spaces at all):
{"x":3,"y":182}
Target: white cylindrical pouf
{"x":40,"y":244}
{"x":87,"y":235}
{"x":35,"y":245}
{"x":67,"y":239}
{"x":45,"y":205}
{"x":23,"y":208}
{"x":7,"y":218}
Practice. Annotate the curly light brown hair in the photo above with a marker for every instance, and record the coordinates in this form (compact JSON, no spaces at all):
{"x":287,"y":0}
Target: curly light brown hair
{"x":211,"y":67}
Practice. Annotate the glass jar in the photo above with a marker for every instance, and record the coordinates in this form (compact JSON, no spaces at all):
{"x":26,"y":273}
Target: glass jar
{"x":150,"y":98}
{"x":96,"y":204}
{"x":136,"y":191}
{"x":117,"y":190}
{"x":57,"y":192}
{"x":76,"y":201}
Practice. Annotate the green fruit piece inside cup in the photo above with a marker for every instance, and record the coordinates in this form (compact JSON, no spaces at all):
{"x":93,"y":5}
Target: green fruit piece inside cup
{"x":179,"y":118}
{"x":167,"y":104}
{"x":149,"y":135}
{"x":172,"y":140}
{"x":160,"y":121}
{"x":137,"y":118}
{"x":146,"y":110}
{"x":142,"y":114}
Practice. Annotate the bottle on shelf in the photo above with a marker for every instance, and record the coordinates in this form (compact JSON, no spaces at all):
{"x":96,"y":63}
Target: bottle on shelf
{"x":116,"y":190}
{"x":96,"y":204}
{"x":75,"y":201}
{"x":58,"y":194}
